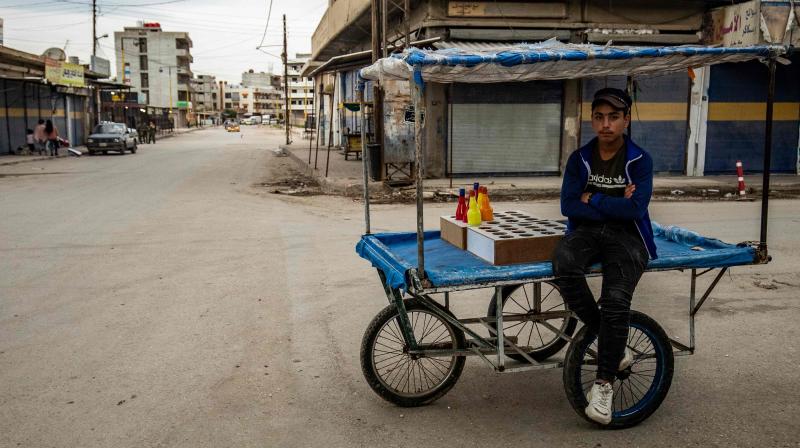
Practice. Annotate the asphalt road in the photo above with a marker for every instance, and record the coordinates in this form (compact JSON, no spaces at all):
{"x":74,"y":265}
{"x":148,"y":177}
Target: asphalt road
{"x":167,"y":299}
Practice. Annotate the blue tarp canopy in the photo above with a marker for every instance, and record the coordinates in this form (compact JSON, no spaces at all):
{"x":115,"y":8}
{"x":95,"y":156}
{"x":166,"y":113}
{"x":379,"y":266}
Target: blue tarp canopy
{"x":552,"y":60}
{"x":449,"y":266}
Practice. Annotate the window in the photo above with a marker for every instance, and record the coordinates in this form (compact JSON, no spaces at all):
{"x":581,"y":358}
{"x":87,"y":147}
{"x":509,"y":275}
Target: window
{"x":294,"y":90}
{"x":227,"y":105}
{"x":146,"y":96}
{"x":145,"y":80}
{"x":142,"y":45}
{"x":294,"y":79}
{"x":143,"y":62}
{"x":227,"y":94}
{"x":183,"y":95}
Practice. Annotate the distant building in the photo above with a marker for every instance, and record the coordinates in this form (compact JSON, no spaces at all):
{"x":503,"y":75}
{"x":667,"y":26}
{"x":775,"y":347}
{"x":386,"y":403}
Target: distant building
{"x":301,"y":90}
{"x":261,"y":79}
{"x":247,"y":101}
{"x":156,"y":64}
{"x":205,"y":93}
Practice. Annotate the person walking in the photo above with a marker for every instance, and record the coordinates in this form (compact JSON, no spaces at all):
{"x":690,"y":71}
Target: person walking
{"x":141,"y":132}
{"x":51,"y":133}
{"x":151,"y":133}
{"x":39,"y":137}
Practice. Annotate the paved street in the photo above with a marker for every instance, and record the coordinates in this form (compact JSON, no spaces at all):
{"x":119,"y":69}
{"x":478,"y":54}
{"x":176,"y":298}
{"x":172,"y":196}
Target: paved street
{"x":166,"y":299}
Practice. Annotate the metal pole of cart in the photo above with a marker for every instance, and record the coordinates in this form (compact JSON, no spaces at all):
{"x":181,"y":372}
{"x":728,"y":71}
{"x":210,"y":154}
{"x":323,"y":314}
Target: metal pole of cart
{"x":364,"y":155}
{"x":419,"y":94}
{"x":762,"y":245}
{"x":330,"y":131}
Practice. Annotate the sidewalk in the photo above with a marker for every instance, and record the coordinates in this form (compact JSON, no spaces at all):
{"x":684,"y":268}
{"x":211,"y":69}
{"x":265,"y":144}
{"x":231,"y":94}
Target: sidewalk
{"x":345,"y":178}
{"x":12,"y":159}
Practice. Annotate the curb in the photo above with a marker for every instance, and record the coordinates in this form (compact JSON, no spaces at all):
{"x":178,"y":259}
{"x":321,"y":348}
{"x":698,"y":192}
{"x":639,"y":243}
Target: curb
{"x":83,"y":150}
{"x":36,"y":159}
{"x":327,"y":184}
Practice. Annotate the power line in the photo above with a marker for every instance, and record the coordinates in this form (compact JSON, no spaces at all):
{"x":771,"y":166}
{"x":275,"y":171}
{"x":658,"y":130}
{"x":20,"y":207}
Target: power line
{"x":266,"y":24}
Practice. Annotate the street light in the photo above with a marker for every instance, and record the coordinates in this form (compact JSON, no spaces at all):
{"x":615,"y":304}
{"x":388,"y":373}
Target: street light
{"x":94,"y":49}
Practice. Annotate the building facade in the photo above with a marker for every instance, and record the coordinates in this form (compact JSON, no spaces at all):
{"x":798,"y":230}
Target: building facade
{"x":251,"y":78}
{"x":157,"y":65}
{"x":205,"y":98}
{"x":690,"y":126}
{"x":300,"y":90}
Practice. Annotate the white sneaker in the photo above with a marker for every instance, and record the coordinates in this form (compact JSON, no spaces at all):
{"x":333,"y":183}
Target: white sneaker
{"x":627,"y":359}
{"x":600,"y":397}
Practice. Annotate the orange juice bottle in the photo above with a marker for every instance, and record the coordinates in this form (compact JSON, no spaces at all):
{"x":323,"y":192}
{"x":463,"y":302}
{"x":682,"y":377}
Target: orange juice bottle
{"x":487,"y":213}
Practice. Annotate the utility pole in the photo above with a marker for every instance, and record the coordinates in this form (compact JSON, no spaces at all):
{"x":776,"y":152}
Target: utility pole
{"x":94,"y":27}
{"x":285,"y":57}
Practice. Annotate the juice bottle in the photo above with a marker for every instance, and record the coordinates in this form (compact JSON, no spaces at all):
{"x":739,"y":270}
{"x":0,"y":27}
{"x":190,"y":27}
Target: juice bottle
{"x":473,"y":215}
{"x":487,"y":213}
{"x":461,"y":209}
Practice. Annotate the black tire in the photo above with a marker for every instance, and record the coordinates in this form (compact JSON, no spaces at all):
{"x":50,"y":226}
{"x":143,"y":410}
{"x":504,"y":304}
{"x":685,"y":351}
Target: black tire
{"x":638,"y":390}
{"x":517,"y":299}
{"x":384,"y":331}
{"x":91,"y":153}
{"x":105,"y":153}
{"x":122,"y":151}
{"x":133,"y":150}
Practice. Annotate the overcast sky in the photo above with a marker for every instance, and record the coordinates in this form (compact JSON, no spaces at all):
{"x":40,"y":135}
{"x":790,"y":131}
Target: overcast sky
{"x":225,"y":33}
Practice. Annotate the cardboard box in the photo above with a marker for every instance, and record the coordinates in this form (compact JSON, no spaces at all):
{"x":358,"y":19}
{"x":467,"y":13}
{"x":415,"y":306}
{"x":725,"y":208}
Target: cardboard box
{"x":515,"y":237}
{"x":454,"y":232}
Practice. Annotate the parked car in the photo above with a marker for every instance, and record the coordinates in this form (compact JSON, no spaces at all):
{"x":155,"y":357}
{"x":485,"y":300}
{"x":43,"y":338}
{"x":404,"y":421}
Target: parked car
{"x":111,"y":137}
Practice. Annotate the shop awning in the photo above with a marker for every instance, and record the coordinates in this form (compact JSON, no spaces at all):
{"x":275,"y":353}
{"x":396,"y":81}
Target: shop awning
{"x":552,"y":60}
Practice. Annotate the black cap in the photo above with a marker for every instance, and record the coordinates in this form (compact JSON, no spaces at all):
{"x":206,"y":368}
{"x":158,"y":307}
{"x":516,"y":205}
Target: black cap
{"x":617,"y":98}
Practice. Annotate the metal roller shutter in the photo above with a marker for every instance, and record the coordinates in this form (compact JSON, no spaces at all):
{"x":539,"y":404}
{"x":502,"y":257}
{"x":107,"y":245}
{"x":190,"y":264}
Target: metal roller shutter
{"x":659,"y":116}
{"x":736,"y":117}
{"x":506,"y":128}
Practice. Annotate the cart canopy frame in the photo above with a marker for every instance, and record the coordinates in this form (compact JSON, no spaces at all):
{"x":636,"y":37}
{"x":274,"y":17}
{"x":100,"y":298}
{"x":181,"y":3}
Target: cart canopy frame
{"x":552,"y":60}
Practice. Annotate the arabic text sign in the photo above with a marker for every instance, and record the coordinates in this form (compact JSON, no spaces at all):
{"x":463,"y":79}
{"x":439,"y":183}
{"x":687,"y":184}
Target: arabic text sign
{"x":736,"y":25}
{"x":64,"y":74}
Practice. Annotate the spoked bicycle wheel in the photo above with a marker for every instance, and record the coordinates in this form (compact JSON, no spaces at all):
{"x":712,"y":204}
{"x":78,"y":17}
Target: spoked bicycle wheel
{"x":519,"y":301}
{"x":639,"y":389}
{"x":402,"y":378}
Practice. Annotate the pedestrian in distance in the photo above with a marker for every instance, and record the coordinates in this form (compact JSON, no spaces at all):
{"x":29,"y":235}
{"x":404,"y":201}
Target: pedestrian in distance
{"x":39,"y":137}
{"x":30,"y":141}
{"x":141,"y":132}
{"x":151,"y":133}
{"x":605,"y":193}
{"x":51,"y":133}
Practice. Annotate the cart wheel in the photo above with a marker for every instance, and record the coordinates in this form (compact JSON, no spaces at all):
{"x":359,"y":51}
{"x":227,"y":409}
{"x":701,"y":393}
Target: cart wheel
{"x":639,"y":389}
{"x":543,"y":342}
{"x":409,"y":380}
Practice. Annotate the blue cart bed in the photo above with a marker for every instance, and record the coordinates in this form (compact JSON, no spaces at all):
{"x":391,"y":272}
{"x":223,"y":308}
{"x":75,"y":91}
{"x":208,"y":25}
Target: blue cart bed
{"x":447,"y":266}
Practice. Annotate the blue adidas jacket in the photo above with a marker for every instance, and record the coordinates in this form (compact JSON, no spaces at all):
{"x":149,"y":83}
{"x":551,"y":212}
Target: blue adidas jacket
{"x":638,"y":170}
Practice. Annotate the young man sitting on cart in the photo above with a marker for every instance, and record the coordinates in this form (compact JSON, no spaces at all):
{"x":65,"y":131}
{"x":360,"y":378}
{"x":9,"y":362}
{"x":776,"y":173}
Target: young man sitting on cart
{"x":605,"y":193}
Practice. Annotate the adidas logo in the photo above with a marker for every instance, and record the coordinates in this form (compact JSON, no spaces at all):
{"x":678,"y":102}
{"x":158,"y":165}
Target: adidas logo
{"x":601,"y":179}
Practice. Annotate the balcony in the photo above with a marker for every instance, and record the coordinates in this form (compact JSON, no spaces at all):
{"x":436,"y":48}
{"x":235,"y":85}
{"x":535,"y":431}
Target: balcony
{"x":184,"y":54}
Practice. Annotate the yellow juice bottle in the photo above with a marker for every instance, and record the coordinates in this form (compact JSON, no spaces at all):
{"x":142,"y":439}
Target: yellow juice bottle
{"x":474,"y":214}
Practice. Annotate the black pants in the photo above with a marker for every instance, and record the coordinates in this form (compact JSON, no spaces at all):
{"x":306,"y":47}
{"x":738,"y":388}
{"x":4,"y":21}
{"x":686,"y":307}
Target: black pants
{"x":623,"y":256}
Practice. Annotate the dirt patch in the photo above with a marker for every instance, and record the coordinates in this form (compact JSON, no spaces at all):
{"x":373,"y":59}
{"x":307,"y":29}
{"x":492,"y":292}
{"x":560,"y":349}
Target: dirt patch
{"x":285,"y":179}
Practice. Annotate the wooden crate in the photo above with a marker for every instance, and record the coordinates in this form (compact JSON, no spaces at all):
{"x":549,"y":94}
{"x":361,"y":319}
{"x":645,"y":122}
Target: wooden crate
{"x":453,"y":231}
{"x":515,"y":237}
